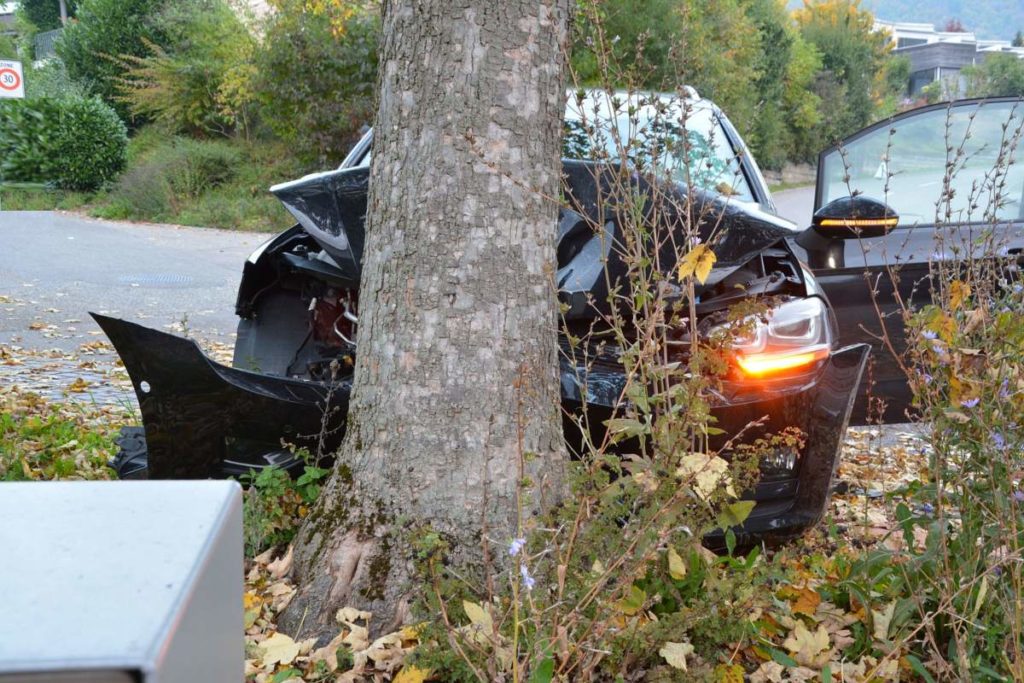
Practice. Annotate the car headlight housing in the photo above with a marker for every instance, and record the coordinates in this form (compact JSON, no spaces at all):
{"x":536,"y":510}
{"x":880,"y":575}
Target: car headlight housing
{"x":790,"y":338}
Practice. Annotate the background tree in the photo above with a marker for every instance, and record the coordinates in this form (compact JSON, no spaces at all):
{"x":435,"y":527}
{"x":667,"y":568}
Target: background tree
{"x":200,"y":81}
{"x":998,"y":75}
{"x":316,"y":74}
{"x":104,"y":30}
{"x":852,"y":53}
{"x":457,"y":322}
{"x":1018,"y":39}
{"x":47,"y":15}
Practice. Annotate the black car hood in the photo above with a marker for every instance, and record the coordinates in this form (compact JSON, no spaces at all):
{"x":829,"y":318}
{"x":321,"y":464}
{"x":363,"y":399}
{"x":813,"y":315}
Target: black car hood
{"x":331,"y":207}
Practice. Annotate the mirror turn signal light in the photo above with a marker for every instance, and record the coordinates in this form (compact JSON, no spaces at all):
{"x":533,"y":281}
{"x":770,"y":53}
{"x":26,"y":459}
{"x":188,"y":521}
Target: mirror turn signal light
{"x":891,"y":222}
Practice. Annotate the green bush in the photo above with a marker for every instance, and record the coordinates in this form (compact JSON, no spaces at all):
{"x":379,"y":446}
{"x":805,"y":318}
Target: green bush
{"x":199,"y":81}
{"x":315,"y":87}
{"x":45,"y":14}
{"x":74,"y":143}
{"x":106,"y":29}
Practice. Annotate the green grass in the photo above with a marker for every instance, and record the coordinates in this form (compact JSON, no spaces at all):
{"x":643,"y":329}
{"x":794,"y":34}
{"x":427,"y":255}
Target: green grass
{"x":41,"y":440}
{"x":788,"y":186}
{"x":24,"y":197}
{"x":203,"y":183}
{"x":216,"y":184}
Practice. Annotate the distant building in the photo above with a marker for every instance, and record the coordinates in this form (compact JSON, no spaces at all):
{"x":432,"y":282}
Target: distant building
{"x":7,"y":10}
{"x":940,"y":55}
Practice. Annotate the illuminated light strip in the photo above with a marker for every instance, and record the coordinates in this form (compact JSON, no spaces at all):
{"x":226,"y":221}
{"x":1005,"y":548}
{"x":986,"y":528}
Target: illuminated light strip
{"x":761,"y":365}
{"x":857,"y":222}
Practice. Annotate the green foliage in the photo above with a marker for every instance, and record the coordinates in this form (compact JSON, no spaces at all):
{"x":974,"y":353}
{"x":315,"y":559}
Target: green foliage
{"x":998,"y":75}
{"x":316,"y":87}
{"x":75,"y":143}
{"x":200,"y":81}
{"x":103,"y":31}
{"x":41,"y":440}
{"x":852,"y":54}
{"x":45,"y":14}
{"x":8,"y":48}
{"x":275,"y":505}
{"x":51,"y":79}
{"x":215,"y":183}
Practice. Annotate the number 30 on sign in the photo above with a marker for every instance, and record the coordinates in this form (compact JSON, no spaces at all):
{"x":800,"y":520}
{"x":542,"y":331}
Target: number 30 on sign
{"x":12,"y":79}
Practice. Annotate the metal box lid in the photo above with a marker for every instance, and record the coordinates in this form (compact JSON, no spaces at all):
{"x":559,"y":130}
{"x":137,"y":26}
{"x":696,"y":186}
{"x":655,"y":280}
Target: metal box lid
{"x":96,"y":575}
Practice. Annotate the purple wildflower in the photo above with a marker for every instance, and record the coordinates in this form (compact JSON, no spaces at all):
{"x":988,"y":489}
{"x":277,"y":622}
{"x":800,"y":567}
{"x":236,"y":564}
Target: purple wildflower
{"x":528,"y":581}
{"x":928,"y":334}
{"x":927,"y":378}
{"x":927,"y":508}
{"x":999,"y":441}
{"x":515,"y":546}
{"x":1018,"y":496}
{"x":970,"y":402}
{"x":1004,"y":388}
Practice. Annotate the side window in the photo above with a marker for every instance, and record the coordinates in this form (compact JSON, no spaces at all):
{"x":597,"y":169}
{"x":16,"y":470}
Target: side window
{"x":365,"y":161}
{"x":949,"y":165}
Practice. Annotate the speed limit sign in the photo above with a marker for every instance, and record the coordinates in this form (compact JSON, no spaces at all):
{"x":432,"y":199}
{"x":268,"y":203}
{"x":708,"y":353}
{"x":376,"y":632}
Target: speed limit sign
{"x":12,"y":79}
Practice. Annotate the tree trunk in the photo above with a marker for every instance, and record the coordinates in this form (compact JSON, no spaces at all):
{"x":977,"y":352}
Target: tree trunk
{"x":63,"y":12}
{"x":457,"y":305}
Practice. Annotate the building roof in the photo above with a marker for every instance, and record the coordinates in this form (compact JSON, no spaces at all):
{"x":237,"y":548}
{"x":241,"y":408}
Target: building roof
{"x":919,"y":35}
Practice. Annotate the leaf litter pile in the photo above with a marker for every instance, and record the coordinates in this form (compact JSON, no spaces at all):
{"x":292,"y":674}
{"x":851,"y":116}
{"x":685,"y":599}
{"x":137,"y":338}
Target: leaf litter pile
{"x":53,"y":426}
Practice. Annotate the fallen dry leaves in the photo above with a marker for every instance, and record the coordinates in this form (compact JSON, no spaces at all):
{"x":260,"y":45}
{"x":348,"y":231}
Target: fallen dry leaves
{"x":275,"y":656}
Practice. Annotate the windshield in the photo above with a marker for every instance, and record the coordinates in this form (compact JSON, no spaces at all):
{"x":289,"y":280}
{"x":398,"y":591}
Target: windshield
{"x":670,"y":137}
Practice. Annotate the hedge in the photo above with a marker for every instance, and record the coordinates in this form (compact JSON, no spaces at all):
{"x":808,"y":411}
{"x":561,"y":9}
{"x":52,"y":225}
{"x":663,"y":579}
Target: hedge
{"x":75,"y":143}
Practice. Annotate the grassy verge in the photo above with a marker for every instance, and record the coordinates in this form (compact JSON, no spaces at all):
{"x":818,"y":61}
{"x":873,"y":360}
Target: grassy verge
{"x":781,"y":187}
{"x":207,"y":183}
{"x":40,"y":440}
{"x":25,"y":197}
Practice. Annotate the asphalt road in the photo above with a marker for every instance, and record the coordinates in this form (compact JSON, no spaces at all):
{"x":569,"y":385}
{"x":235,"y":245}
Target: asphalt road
{"x":56,"y":267}
{"x":797,"y":204}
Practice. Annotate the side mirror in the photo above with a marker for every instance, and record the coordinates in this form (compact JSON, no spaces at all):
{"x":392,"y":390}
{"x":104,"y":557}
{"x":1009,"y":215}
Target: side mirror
{"x":853,"y":217}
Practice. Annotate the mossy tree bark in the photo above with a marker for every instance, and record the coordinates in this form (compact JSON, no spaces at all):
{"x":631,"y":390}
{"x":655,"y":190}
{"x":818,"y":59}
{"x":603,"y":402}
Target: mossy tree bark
{"x":458,"y":318}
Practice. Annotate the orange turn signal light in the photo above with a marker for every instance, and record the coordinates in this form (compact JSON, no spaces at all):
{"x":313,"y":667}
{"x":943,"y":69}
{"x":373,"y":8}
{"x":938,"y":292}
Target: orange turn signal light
{"x":859,"y":222}
{"x":763,"y":365}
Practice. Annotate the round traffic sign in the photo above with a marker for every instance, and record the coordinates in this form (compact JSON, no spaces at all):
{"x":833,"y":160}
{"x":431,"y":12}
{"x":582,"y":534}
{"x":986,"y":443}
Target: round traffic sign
{"x":9,"y":79}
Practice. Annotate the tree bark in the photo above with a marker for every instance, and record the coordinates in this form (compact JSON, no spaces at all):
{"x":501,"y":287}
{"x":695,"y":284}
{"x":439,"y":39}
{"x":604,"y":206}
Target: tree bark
{"x":63,"y":12}
{"x":458,"y":318}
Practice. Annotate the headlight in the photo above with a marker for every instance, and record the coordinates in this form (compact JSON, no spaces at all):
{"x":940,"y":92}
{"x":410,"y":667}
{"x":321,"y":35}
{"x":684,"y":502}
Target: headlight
{"x":792,"y":336}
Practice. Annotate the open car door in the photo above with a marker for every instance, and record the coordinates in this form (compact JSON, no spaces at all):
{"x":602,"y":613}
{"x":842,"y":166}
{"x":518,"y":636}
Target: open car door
{"x":942,"y":182}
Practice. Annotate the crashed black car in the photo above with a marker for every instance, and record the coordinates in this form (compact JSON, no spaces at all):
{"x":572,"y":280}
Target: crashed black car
{"x":298,"y":307}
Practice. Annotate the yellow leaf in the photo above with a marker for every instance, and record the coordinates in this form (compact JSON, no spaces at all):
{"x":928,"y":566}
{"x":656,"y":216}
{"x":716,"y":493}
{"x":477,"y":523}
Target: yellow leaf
{"x":631,"y":604}
{"x":729,"y":673}
{"x":807,"y":602}
{"x":675,"y":654}
{"x":881,"y":621}
{"x":676,"y":566}
{"x":705,"y":473}
{"x":478,"y":615}
{"x":412,"y":674}
{"x":697,"y":263}
{"x":279,"y":648}
{"x":958,"y":293}
{"x":809,"y":649}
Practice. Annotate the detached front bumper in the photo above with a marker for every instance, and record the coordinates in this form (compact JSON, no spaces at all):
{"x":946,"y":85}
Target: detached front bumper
{"x":205,"y":420}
